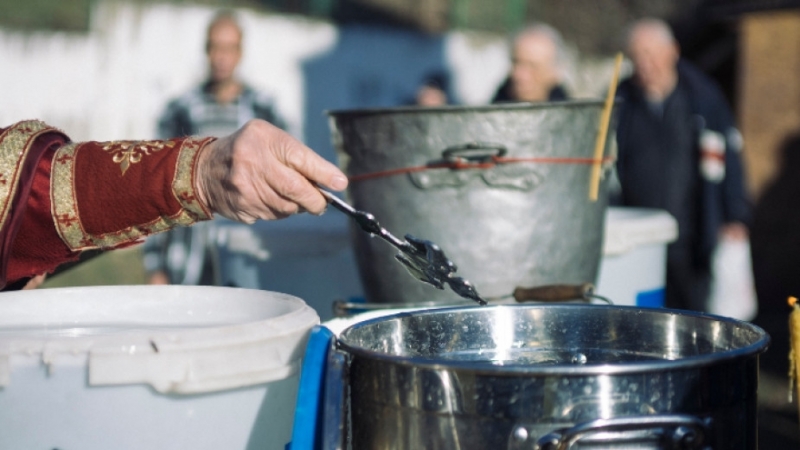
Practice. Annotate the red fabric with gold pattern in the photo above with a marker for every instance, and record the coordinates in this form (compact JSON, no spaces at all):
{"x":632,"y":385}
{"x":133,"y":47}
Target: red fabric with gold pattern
{"x":110,"y":193}
{"x":22,"y":147}
{"x":147,"y":183}
{"x":99,"y":195}
{"x":38,"y":248}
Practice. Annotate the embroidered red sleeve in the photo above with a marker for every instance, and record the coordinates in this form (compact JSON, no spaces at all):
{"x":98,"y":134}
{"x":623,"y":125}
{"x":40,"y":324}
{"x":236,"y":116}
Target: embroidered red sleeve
{"x":107,"y":194}
{"x":102,"y":195}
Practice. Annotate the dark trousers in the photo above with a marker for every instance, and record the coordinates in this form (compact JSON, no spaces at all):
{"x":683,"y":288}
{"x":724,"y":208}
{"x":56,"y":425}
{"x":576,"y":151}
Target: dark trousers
{"x":688,"y":286}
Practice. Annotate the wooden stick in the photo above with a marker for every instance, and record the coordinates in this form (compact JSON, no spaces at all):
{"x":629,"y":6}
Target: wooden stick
{"x":794,"y":340}
{"x":602,"y":132}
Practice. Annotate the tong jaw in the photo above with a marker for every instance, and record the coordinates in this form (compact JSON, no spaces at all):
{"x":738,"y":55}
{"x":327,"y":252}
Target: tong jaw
{"x":427,"y":262}
{"x":423,"y":259}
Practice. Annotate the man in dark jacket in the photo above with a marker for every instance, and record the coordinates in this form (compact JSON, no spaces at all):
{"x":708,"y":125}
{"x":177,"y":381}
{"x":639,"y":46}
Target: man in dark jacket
{"x":679,"y":151}
{"x":537,"y":55}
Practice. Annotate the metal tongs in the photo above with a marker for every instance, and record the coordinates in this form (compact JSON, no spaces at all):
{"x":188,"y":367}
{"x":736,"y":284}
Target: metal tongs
{"x":423,"y":259}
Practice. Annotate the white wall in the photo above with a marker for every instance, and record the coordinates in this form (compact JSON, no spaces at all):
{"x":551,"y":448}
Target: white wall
{"x":112,"y":82}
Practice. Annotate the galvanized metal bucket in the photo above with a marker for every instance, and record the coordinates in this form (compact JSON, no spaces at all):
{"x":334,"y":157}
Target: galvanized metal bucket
{"x":504,"y":190}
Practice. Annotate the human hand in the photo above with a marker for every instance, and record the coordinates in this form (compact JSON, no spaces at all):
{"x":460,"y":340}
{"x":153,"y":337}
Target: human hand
{"x":734,"y":231}
{"x":35,"y":282}
{"x":158,"y":278}
{"x":261,"y":172}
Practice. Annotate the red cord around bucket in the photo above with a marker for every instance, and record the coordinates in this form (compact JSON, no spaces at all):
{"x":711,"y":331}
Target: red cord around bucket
{"x":461,"y":164}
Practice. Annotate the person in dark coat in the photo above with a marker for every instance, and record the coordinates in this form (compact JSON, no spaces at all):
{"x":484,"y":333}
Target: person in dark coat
{"x":537,"y":55}
{"x":679,"y":151}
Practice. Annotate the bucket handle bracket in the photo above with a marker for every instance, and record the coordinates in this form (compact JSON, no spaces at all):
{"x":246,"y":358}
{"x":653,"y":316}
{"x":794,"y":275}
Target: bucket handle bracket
{"x":474,"y":153}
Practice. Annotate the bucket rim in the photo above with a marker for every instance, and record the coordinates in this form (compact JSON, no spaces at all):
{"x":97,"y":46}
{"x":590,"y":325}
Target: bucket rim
{"x":560,"y":369}
{"x":515,"y":106}
{"x":177,"y":339}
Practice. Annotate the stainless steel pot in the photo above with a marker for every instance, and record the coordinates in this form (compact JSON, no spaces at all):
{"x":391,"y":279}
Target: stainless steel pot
{"x":504,"y":190}
{"x":551,"y":377}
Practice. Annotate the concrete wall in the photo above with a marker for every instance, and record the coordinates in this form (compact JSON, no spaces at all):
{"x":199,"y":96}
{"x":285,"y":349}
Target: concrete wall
{"x":769,"y":101}
{"x":112,"y":82}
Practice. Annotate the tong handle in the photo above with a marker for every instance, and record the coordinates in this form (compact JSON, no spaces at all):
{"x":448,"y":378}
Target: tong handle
{"x":365,"y":220}
{"x":338,"y":203}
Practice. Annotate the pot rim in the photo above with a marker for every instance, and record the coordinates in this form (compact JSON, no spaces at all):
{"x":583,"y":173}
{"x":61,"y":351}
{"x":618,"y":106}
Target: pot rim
{"x":337,"y":113}
{"x":621,"y":368}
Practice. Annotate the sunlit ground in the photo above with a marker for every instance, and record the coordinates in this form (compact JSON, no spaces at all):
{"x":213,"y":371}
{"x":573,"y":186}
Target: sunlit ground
{"x":111,"y":268}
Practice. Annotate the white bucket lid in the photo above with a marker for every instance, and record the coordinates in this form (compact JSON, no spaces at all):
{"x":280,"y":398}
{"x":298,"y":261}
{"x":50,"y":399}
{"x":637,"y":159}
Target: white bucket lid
{"x":628,"y":228}
{"x":178,"y":339}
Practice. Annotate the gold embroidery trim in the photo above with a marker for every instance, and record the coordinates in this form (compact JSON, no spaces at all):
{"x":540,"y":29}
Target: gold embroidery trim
{"x":66,"y":214}
{"x":63,"y":203}
{"x":126,"y":153}
{"x":183,"y":183}
{"x":15,"y":144}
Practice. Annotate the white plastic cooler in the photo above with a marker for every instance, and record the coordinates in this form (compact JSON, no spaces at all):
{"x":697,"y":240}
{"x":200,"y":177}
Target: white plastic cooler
{"x":633,"y":266}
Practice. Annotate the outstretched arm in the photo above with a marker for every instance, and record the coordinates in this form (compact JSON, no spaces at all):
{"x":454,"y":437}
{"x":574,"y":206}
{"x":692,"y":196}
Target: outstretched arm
{"x":111,"y":194}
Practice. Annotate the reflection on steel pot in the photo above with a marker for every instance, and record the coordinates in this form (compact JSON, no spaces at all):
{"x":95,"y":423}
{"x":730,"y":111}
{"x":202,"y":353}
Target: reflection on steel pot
{"x":552,"y":377}
{"x":504,"y":190}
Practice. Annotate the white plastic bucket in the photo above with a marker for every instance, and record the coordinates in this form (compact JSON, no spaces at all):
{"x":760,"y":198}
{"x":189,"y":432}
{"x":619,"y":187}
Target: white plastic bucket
{"x":149,"y":367}
{"x":633,"y":269}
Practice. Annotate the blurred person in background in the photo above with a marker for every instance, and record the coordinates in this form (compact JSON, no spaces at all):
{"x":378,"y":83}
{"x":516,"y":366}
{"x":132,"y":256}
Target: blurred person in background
{"x":217,"y":107}
{"x":679,"y":151}
{"x":59,"y":199}
{"x":537,"y":56}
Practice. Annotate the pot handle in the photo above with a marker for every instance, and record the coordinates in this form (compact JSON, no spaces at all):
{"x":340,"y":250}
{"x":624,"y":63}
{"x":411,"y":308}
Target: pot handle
{"x":558,"y":293}
{"x":477,"y":152}
{"x":680,"y":431}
